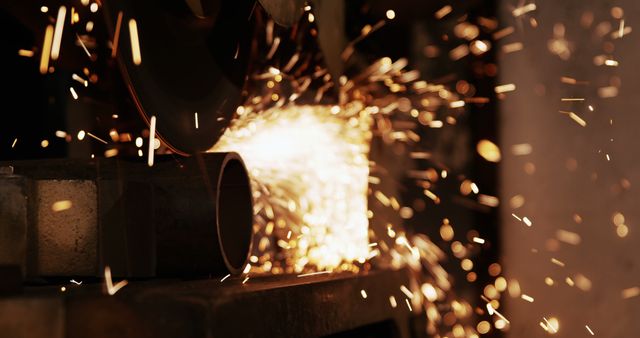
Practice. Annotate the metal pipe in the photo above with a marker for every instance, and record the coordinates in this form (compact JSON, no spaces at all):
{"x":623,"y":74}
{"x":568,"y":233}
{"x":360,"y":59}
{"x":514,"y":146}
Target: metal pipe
{"x":203,"y":215}
{"x":182,"y":217}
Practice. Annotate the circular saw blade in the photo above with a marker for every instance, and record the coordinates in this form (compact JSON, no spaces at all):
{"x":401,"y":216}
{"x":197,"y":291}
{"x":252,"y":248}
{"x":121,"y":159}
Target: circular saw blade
{"x":330,"y":19}
{"x":193,"y":65}
{"x":284,"y":12}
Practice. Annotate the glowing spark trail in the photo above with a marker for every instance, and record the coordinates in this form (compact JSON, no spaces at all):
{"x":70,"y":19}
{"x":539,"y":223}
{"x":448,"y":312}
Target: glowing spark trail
{"x":57,"y":36}
{"x":527,"y":298}
{"x":135,"y":42}
{"x":111,"y":288}
{"x":61,"y":205}
{"x":84,"y":47}
{"x":152,"y":137}
{"x":408,"y":304}
{"x":46,"y":50}
{"x":73,"y":93}
{"x":505,"y":88}
{"x":25,"y":53}
{"x":392,"y":302}
{"x":478,"y":240}
{"x":116,"y":36}
{"x":524,"y":10}
{"x":442,"y":12}
{"x":314,"y":273}
{"x":589,"y":329}
{"x":631,"y":292}
{"x":96,"y":138}
{"x":578,"y":119}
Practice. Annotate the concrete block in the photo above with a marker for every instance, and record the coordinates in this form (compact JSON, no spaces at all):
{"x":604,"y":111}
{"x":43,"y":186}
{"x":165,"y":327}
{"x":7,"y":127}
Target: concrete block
{"x":66,"y":216}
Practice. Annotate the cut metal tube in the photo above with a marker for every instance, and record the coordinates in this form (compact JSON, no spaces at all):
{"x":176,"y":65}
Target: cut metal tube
{"x":182,"y":217}
{"x":203,"y":214}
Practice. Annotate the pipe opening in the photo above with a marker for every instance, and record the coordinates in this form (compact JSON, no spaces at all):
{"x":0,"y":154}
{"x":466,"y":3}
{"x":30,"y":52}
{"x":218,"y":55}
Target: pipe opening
{"x":235,"y":214}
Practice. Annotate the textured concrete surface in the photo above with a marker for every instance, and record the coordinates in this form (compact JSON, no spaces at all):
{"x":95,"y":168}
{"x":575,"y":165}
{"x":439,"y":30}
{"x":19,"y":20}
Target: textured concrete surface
{"x":67,"y":239}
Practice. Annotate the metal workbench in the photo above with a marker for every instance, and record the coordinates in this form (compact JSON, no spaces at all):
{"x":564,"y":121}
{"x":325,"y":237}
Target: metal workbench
{"x":268,"y":306}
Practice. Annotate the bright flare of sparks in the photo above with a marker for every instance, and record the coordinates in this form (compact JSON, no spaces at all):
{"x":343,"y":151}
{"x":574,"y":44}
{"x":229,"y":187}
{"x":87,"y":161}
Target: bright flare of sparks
{"x":311,"y":164}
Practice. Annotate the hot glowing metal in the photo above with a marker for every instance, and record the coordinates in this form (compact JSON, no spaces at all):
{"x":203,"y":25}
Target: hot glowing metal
{"x":310,"y":169}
